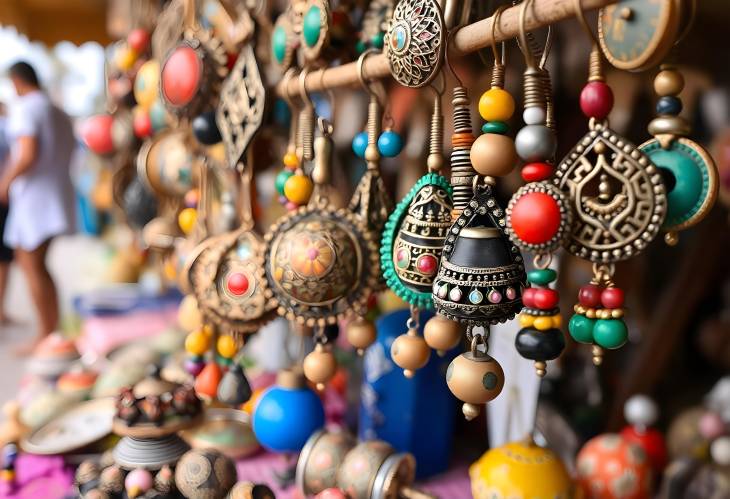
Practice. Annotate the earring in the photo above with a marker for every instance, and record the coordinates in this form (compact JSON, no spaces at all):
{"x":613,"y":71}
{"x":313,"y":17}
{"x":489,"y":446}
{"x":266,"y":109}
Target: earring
{"x":374,"y":25}
{"x":618,"y":222}
{"x":316,"y":24}
{"x":538,"y":214}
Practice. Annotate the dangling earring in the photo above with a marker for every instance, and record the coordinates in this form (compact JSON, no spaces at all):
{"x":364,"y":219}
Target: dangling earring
{"x":618,"y":222}
{"x":539,"y":214}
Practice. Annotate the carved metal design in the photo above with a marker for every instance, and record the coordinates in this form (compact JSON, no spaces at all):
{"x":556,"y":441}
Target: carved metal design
{"x":371,"y":201}
{"x":618,"y":197}
{"x":241,"y":108}
{"x":321,"y":264}
{"x":414,"y":237}
{"x":415,"y":42}
{"x":482,"y":274}
{"x":566,"y":217}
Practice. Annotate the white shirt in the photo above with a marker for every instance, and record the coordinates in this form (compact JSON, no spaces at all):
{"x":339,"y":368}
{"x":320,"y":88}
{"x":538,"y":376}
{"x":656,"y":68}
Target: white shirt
{"x":41,"y":200}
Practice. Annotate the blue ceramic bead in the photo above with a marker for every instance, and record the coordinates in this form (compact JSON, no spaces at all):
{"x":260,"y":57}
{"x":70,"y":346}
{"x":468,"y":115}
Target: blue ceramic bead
{"x":359,"y":144}
{"x":390,"y":144}
{"x":669,"y":105}
{"x":284,"y":418}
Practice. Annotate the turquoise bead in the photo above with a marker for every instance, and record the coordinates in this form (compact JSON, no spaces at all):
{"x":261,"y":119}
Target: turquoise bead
{"x":278,"y":44}
{"x":360,"y":47}
{"x":377,"y":40}
{"x":312,"y":26}
{"x":390,"y":144}
{"x":542,"y":277}
{"x":158,"y":116}
{"x":498,"y":127}
{"x":581,"y":328}
{"x":281,"y":179}
{"x":610,"y":333}
{"x":359,"y":144}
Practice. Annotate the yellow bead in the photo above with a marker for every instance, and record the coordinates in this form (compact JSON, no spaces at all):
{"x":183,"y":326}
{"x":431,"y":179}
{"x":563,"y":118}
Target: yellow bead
{"x":227,"y":346}
{"x":207,"y":330}
{"x":186,"y":219}
{"x":526,"y":320}
{"x":217,"y":152}
{"x":147,"y":84}
{"x":7,"y":475}
{"x":125,"y":58}
{"x":197,"y":342}
{"x":557,"y":321}
{"x":291,"y":160}
{"x":298,"y":188}
{"x":543,"y":323}
{"x":496,"y":104}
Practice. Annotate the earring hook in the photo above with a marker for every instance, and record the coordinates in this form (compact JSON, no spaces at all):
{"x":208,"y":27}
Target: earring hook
{"x":303,"y":93}
{"x":368,"y":85}
{"x":495,"y":22}
{"x":526,"y":41}
{"x":578,"y":7}
{"x":449,"y":37}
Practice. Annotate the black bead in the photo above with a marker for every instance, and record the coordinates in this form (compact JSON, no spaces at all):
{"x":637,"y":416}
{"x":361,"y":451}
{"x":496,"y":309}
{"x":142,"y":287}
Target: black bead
{"x":539,"y":345}
{"x":331,"y":332}
{"x":139,"y":203}
{"x":669,"y":105}
{"x":205,"y":129}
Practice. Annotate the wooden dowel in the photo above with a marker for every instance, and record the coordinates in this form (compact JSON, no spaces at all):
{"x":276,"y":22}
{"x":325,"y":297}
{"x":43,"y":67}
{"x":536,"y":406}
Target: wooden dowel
{"x":468,"y":39}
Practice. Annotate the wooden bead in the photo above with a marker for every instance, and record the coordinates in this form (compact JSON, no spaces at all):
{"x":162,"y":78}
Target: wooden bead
{"x":441,"y":334}
{"x":410,"y":352}
{"x":361,"y":333}
{"x":668,"y":82}
{"x":475,"y":380}
{"x":320,"y":366}
{"x":493,"y":155}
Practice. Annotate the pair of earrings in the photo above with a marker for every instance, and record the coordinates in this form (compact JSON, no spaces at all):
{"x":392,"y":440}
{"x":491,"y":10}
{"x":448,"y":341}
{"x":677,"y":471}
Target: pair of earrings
{"x":389,"y":143}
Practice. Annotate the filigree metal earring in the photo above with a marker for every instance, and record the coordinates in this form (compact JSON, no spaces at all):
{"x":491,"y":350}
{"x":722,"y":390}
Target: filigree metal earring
{"x":619,"y":204}
{"x":539,"y":214}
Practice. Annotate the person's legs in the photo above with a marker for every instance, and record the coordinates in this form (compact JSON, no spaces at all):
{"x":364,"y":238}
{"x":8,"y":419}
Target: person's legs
{"x":6,"y":257}
{"x":42,"y":289}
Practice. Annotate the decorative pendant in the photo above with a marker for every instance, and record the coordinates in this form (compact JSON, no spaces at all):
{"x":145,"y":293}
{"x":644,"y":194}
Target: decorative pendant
{"x":479,"y":256}
{"x":415,"y":41}
{"x":413,"y":240}
{"x":688,"y":169}
{"x":375,"y":24}
{"x":315,"y":29}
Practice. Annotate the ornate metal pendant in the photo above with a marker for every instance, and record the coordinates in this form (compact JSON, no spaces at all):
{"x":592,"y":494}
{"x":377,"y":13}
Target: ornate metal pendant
{"x":241,"y":108}
{"x":414,"y":237}
{"x":415,"y":42}
{"x":618,"y":196}
{"x":482,"y":273}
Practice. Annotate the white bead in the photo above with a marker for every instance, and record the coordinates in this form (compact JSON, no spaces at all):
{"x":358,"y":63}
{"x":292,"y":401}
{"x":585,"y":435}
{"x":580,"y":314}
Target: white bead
{"x":534,"y":115}
{"x":720,"y":451}
{"x":640,"y":410}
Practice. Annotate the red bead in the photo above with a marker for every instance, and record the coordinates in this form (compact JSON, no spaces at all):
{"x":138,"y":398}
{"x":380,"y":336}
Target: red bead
{"x":535,"y":172}
{"x":142,"y":125}
{"x":231,"y":59}
{"x":546,"y":299}
{"x":535,"y":218}
{"x":237,"y":283}
{"x":589,"y":296}
{"x":528,"y":297}
{"x":612,"y":298}
{"x":96,"y":132}
{"x":181,"y":76}
{"x":138,"y":40}
{"x":426,"y":264}
{"x":651,"y":441}
{"x":596,"y":100}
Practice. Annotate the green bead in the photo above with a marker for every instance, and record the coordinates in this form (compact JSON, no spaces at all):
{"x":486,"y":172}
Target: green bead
{"x":610,"y":333}
{"x":499,"y":127}
{"x":281,"y":179}
{"x":222,"y":361}
{"x":377,"y":40}
{"x":278,"y":44}
{"x":312,"y":26}
{"x":542,"y":277}
{"x":360,"y":47}
{"x":581,"y":328}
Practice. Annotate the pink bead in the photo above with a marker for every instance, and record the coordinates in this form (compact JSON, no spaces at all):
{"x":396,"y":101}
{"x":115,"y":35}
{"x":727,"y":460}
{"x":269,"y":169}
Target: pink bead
{"x":711,"y":425}
{"x":596,"y":100}
{"x":331,"y":493}
{"x":612,"y":298}
{"x":291,"y":206}
{"x":181,"y":75}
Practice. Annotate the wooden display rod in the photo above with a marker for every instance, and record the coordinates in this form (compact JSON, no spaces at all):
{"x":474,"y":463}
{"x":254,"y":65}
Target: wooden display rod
{"x":468,"y":39}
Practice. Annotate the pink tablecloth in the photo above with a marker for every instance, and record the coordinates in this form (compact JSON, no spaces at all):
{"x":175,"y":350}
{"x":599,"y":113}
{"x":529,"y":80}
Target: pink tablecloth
{"x":39,"y":477}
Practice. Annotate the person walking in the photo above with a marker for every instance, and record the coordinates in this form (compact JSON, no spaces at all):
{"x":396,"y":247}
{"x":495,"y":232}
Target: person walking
{"x":6,"y":253}
{"x":37,"y":183}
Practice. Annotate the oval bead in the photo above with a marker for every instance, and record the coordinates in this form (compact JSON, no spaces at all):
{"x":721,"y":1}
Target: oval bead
{"x":181,"y":76}
{"x":359,"y":144}
{"x":528,"y":297}
{"x":377,"y":40}
{"x":596,"y":100}
{"x":669,"y":105}
{"x":539,"y":345}
{"x":496,"y":104}
{"x":546,"y":298}
{"x":311,"y":25}
{"x":499,"y":127}
{"x":281,"y":179}
{"x":535,"y":172}
{"x":610,"y":333}
{"x":389,"y":143}
{"x":581,"y":328}
{"x":535,"y":218}
{"x":542,"y":277}
{"x":278,"y":44}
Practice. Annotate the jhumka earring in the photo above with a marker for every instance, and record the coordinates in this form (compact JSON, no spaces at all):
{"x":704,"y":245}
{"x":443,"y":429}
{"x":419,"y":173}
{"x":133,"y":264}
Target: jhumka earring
{"x":688,"y":169}
{"x":539,"y":214}
{"x":481,"y":275}
{"x":619,"y":203}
